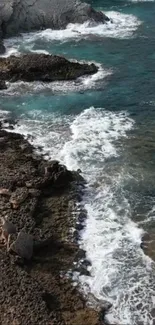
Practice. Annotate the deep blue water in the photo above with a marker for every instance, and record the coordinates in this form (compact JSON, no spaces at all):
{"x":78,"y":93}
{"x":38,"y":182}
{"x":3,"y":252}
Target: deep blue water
{"x":105,"y":126}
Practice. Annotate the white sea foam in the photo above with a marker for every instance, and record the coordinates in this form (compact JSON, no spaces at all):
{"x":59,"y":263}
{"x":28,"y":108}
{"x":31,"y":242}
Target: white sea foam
{"x":80,"y":84}
{"x":120,"y":272}
{"x":121,"y":26}
{"x":141,"y":0}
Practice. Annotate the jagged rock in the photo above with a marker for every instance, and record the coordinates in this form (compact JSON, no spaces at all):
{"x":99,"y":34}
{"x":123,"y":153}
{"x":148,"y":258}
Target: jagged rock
{"x":18,"y":197}
{"x":2,"y":47}
{"x":58,"y":175}
{"x":31,"y":67}
{"x":26,"y":15}
{"x":23,"y":245}
{"x":3,"y":85}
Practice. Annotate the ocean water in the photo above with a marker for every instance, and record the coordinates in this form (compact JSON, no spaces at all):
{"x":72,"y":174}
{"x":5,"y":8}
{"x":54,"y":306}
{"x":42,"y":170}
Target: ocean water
{"x":104,"y":125}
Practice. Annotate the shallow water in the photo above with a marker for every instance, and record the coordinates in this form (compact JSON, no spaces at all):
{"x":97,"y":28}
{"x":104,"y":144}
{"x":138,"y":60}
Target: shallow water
{"x":103,"y":125}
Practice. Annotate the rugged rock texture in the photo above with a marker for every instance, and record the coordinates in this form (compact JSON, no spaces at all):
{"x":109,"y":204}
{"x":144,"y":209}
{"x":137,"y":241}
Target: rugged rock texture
{"x":2,"y":47}
{"x":31,"y":67}
{"x":26,"y":15}
{"x":37,"y":292}
{"x":2,"y":85}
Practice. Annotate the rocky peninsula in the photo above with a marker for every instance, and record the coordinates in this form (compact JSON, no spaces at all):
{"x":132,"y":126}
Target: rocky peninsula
{"x":41,"y":67}
{"x":39,"y":197}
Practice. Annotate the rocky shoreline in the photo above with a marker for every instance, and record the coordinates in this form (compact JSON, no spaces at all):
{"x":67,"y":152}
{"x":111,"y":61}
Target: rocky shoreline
{"x":41,"y":67}
{"x":20,"y":16}
{"x":36,"y":291}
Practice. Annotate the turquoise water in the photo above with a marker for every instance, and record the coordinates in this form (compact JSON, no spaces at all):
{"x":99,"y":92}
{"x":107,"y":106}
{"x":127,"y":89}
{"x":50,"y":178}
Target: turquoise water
{"x":103,"y":125}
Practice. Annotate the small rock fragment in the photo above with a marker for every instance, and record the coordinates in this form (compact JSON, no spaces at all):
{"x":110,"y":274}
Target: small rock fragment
{"x":5,"y":192}
{"x":23,"y":245}
{"x":14,"y":204}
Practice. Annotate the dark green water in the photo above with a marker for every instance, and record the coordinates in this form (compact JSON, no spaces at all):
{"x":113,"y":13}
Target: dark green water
{"x":105,"y":125}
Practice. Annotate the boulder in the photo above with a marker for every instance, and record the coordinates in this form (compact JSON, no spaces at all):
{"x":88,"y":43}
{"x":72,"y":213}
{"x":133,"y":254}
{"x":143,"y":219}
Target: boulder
{"x":26,"y":15}
{"x":41,"y":67}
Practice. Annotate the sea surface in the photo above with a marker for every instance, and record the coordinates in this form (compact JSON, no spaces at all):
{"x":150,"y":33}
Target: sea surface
{"x":105,"y":125}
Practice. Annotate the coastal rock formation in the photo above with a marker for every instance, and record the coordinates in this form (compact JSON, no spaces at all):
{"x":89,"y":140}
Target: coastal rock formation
{"x":35,"y":290}
{"x":26,"y":15}
{"x":41,"y":67}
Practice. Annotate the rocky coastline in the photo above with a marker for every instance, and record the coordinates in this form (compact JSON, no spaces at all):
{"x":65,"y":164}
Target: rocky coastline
{"x":17,"y":16}
{"x":41,"y":67}
{"x":39,"y":197}
{"x":20,"y":16}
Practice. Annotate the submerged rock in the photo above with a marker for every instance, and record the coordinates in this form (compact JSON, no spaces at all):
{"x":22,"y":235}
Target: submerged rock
{"x":42,"y":67}
{"x":26,"y":15}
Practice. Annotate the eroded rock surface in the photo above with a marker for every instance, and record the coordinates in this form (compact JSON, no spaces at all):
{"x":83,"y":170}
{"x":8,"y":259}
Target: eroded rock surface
{"x":42,"y":67}
{"x":37,"y":292}
{"x":26,"y":15}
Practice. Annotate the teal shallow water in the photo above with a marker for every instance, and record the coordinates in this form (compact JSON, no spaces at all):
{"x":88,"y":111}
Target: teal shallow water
{"x":105,"y":126}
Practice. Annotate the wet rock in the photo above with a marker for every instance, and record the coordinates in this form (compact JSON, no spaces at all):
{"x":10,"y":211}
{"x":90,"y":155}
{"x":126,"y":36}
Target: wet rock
{"x":42,"y":67}
{"x":26,"y":15}
{"x":3,"y":85}
{"x":148,"y":245}
{"x":2,"y":47}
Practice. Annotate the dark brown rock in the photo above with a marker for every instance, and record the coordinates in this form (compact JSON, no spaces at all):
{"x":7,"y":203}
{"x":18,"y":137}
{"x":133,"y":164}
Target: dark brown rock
{"x":42,"y":67}
{"x":36,"y":291}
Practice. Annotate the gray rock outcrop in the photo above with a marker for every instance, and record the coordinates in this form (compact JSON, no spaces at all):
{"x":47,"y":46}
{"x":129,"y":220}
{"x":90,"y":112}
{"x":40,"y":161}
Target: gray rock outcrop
{"x":26,"y":15}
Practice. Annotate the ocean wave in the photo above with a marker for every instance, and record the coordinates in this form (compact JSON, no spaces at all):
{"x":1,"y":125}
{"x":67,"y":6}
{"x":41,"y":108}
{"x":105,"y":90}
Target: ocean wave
{"x":20,"y":88}
{"x":91,"y":141}
{"x":120,"y":272}
{"x":120,"y":26}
